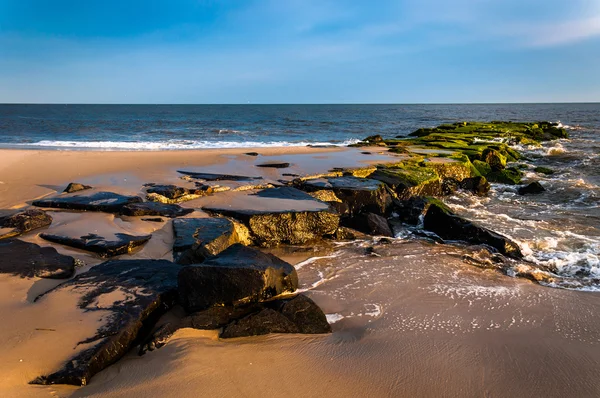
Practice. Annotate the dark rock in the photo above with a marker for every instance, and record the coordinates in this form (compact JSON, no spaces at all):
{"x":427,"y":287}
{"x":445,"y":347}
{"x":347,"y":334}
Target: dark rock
{"x":372,"y":139}
{"x":199,"y":238}
{"x":477,"y":185}
{"x":290,"y":175}
{"x":169,"y":191}
{"x":251,"y":153}
{"x":531,"y":189}
{"x":510,"y":175}
{"x":236,"y":276}
{"x":410,"y":182}
{"x":265,"y":322}
{"x":30,"y":260}
{"x":76,"y":187}
{"x":154,"y":209}
{"x":411,"y":210}
{"x":24,"y":221}
{"x":294,"y":218}
{"x":449,"y":226}
{"x":123,"y":243}
{"x":274,"y":165}
{"x":495,"y":159}
{"x":450,"y":186}
{"x":153,"y":219}
{"x":370,"y":223}
{"x":359,"y":194}
{"x":108,"y":202}
{"x":217,"y":177}
{"x":307,"y":315}
{"x":171,"y":194}
{"x":151,"y":287}
{"x":543,"y":170}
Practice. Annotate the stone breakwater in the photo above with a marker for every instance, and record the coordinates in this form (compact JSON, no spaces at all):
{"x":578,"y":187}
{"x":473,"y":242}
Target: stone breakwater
{"x":218,"y":274}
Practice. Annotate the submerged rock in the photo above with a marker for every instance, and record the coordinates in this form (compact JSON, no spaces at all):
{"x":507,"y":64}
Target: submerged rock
{"x":155,"y":209}
{"x":294,"y":218}
{"x":531,"y":189}
{"x":449,"y":226}
{"x":76,"y":187}
{"x":197,"y":239}
{"x":108,"y":202}
{"x":121,"y":244}
{"x":544,"y":170}
{"x":23,"y":222}
{"x":30,"y":260}
{"x":238,"y":275}
{"x":150,"y":289}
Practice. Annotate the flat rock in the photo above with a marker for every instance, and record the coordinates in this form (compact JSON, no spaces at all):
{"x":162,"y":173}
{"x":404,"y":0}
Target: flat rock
{"x":449,"y":226}
{"x":30,"y":260}
{"x":252,"y":153}
{"x":149,"y":288}
{"x":410,"y":183}
{"x":217,"y":177}
{"x":274,"y":165}
{"x":23,"y":222}
{"x":282,"y":215}
{"x":76,"y":187}
{"x":531,"y":189}
{"x":197,"y":239}
{"x":104,"y":247}
{"x":238,"y":275}
{"x":171,"y":194}
{"x":108,"y":202}
{"x":155,"y":209}
{"x":359,"y":194}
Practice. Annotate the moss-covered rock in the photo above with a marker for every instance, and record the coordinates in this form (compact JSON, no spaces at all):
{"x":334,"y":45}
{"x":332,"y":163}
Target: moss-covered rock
{"x":543,"y":170}
{"x":510,"y":175}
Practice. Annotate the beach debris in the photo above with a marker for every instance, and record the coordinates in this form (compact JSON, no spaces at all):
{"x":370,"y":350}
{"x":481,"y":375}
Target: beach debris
{"x":121,"y":243}
{"x":288,"y":215}
{"x":107,"y":202}
{"x":449,"y":226}
{"x":76,"y":187}
{"x":274,"y":165}
{"x":155,"y":209}
{"x":30,"y":260}
{"x":172,"y":194}
{"x":238,"y":275}
{"x":151,"y":290}
{"x":197,"y":239}
{"x":23,"y":222}
{"x":531,"y":189}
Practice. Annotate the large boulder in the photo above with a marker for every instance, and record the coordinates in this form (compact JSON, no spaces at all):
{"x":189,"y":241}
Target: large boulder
{"x":449,"y":226}
{"x":30,"y":260}
{"x":359,"y":194}
{"x":199,"y":238}
{"x":108,"y":202}
{"x":282,"y":215}
{"x":155,"y":209}
{"x":236,"y":276}
{"x":23,"y":222}
{"x":151,"y":287}
{"x":105,"y":247}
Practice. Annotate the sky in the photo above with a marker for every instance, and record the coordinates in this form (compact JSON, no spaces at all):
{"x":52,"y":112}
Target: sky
{"x":299,"y":51}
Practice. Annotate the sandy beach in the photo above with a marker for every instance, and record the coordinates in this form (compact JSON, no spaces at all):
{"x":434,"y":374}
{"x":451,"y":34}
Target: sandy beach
{"x":412,"y":320}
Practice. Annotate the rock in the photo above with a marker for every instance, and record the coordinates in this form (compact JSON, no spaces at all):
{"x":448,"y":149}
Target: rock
{"x":216,"y":177}
{"x":121,"y":244}
{"x":482,"y":167}
{"x":531,"y":189}
{"x":288,"y":215}
{"x":265,"y":322}
{"x":108,"y":202}
{"x":151,"y":289}
{"x":370,"y":223}
{"x":154,"y":209}
{"x":199,"y":238}
{"x":24,"y":221}
{"x":238,"y":275}
{"x":274,"y":165}
{"x":76,"y":187}
{"x":345,"y":233}
{"x":544,"y":170}
{"x":172,"y":194}
{"x":251,"y":153}
{"x":411,"y":211}
{"x":307,"y":315}
{"x":477,"y":185}
{"x":449,"y":226}
{"x":510,"y":175}
{"x":410,"y":180}
{"x":359,"y":194}
{"x":30,"y":260}
{"x":153,"y":219}
{"x":495,"y":159}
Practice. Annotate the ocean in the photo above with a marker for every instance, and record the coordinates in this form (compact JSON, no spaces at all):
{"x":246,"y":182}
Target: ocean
{"x":558,"y":229}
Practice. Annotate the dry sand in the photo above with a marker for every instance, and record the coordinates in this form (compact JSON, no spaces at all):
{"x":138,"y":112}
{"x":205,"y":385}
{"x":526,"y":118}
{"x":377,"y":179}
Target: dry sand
{"x":416,"y":321}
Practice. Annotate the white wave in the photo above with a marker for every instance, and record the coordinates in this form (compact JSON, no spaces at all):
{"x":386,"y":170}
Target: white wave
{"x":333,"y":318}
{"x":313,"y":259}
{"x":172,"y":144}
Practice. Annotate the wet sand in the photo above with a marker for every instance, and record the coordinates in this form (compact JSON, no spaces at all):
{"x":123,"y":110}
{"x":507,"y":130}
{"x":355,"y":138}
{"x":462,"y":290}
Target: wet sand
{"x":417,"y":321}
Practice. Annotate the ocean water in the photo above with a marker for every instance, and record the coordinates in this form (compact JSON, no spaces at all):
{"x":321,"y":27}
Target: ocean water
{"x":558,"y":230}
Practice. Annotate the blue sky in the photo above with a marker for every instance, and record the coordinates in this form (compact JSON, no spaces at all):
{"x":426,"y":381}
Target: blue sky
{"x":299,"y":51}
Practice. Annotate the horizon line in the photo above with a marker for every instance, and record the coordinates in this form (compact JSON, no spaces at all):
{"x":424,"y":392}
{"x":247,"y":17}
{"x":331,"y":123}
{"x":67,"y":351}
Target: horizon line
{"x":303,"y":103}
